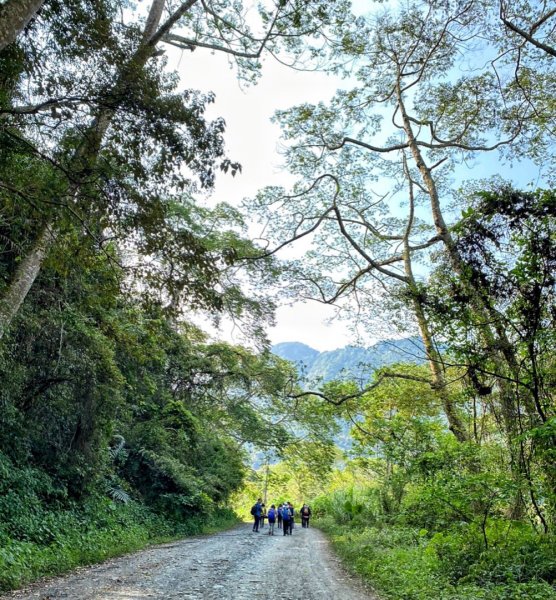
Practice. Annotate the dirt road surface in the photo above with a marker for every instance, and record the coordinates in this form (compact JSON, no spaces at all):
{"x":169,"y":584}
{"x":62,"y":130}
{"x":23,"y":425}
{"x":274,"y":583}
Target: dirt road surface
{"x":234,"y":565}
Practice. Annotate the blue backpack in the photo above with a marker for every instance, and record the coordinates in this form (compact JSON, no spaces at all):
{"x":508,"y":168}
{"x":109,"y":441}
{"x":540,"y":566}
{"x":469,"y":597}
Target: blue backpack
{"x":271,"y":515}
{"x":285,"y":513}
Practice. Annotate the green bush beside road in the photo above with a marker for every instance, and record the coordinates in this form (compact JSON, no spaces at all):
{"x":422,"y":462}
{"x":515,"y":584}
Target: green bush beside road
{"x":404,"y":562}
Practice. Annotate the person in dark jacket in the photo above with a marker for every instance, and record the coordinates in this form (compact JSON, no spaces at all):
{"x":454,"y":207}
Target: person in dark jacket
{"x":305,"y":513}
{"x":292,"y":515}
{"x":257,"y":511}
{"x":285,"y":519}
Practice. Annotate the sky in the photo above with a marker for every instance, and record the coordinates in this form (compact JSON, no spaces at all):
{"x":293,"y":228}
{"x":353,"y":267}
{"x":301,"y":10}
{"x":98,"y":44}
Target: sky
{"x":254,"y":141}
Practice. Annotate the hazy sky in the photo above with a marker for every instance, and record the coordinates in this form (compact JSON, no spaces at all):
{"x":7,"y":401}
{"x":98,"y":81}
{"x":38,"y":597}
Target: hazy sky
{"x":253,"y":140}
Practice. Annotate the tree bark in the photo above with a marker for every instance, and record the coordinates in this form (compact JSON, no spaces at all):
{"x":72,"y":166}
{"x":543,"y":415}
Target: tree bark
{"x":490,"y":326}
{"x":25,"y":275}
{"x":82,"y":161}
{"x":14,"y":16}
{"x":455,"y":423}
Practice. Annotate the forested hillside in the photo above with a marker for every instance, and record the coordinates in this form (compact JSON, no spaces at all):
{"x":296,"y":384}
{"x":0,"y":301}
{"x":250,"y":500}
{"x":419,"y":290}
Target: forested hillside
{"x":418,"y":201}
{"x":352,"y":362}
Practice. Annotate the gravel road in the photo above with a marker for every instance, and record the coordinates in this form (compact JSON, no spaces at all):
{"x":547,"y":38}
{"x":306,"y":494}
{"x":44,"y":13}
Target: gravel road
{"x":235,"y":565}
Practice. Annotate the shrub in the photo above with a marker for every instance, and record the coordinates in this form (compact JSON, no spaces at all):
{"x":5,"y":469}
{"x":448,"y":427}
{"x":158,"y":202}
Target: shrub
{"x":410,"y":563}
{"x":88,"y":533}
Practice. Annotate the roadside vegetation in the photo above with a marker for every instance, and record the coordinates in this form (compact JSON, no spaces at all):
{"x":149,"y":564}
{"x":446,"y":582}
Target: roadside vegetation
{"x":51,"y":540}
{"x":413,"y":510}
{"x":417,"y":514}
{"x":123,"y":423}
{"x":428,"y":548}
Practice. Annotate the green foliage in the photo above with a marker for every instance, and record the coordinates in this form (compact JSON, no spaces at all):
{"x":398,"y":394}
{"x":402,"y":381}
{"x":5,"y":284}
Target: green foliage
{"x":118,"y":426}
{"x":349,"y":505}
{"x":408,"y":563}
{"x":54,"y":540}
{"x":120,"y":422}
{"x":421,"y":515}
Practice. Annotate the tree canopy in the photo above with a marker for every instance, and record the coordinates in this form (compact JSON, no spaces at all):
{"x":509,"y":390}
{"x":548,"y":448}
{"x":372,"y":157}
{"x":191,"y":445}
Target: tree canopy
{"x":115,"y":402}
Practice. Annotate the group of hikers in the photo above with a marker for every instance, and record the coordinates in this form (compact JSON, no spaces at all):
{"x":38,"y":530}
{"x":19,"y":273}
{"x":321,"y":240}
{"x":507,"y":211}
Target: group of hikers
{"x":284,"y":515}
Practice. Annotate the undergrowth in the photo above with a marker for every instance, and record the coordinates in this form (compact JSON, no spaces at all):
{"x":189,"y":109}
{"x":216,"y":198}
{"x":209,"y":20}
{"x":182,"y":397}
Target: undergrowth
{"x":404,"y":562}
{"x":41,"y":542}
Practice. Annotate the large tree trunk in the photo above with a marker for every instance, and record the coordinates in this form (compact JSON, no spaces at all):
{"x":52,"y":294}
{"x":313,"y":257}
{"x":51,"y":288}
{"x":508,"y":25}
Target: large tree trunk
{"x":456,"y":425}
{"x":82,"y":161}
{"x":25,"y":275}
{"x":490,"y":326}
{"x":14,"y":16}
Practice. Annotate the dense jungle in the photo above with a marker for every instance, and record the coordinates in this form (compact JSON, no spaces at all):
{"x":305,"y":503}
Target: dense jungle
{"x":418,"y":201}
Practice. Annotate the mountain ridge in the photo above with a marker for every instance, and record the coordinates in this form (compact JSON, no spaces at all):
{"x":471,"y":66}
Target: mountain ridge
{"x":350,"y":362}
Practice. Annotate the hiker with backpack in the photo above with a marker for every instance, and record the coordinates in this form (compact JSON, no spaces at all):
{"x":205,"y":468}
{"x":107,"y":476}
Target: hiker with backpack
{"x":271,"y":519}
{"x":256,"y":512}
{"x":292,"y":517}
{"x":279,"y":516}
{"x":305,"y":514}
{"x":285,"y":519}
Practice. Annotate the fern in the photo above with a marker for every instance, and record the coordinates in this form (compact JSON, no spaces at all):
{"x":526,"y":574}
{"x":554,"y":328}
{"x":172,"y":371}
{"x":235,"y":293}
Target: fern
{"x":118,"y":451}
{"x":116,"y":493}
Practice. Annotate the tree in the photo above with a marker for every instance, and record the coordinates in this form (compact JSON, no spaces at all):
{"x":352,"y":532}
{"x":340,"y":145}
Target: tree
{"x":401,"y":422}
{"x":89,"y":368}
{"x":117,"y":139}
{"x":405,"y":63}
{"x":505,"y":236}
{"x":14,"y":17}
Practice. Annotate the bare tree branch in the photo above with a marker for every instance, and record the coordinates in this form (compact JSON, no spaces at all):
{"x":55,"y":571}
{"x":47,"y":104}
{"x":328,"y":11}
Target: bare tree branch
{"x":528,"y":36}
{"x":384,"y":375}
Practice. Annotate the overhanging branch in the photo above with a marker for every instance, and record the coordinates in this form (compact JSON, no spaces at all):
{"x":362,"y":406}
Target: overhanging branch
{"x":383,"y":376}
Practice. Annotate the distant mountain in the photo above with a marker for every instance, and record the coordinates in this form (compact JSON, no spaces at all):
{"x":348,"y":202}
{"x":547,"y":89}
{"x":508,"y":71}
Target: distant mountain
{"x":351,"y":362}
{"x":302,"y":355}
